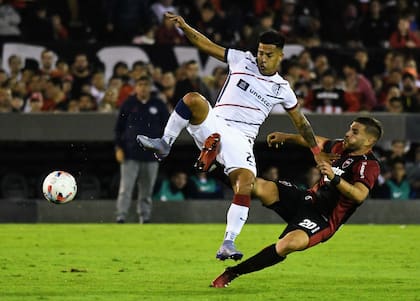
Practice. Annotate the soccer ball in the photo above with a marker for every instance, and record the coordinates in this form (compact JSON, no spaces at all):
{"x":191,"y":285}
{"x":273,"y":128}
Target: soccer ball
{"x":59,"y":187}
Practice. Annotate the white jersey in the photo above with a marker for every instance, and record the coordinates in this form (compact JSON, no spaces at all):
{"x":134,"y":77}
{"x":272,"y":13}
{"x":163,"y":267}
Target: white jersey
{"x":247,"y":96}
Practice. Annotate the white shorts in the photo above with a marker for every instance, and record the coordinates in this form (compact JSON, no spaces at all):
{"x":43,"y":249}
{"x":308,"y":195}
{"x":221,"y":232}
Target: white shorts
{"x":236,"y":150}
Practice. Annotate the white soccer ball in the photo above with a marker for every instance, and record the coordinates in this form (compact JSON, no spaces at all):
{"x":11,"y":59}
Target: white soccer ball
{"x":59,"y":187}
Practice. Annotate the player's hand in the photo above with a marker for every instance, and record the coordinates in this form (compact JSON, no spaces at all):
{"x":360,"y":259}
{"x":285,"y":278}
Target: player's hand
{"x":119,"y":155}
{"x":177,"y":20}
{"x":326,"y":169}
{"x":276,"y":139}
{"x":326,"y":157}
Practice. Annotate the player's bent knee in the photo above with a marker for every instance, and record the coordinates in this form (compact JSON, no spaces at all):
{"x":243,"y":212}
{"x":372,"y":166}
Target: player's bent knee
{"x":265,"y":191}
{"x":296,"y":240}
{"x":192,"y":99}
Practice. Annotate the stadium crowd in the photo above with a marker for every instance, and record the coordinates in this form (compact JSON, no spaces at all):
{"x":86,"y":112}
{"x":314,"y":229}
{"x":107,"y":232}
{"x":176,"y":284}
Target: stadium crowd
{"x":322,"y":86}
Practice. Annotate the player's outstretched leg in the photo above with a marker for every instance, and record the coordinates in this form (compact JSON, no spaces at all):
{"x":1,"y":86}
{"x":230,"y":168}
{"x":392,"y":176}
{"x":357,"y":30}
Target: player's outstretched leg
{"x":192,"y":108}
{"x":209,"y":152}
{"x":265,"y":258}
{"x":158,"y":146}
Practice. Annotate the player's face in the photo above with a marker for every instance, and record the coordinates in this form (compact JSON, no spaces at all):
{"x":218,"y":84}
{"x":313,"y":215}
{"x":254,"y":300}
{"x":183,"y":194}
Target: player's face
{"x":268,"y":58}
{"x":356,"y":137}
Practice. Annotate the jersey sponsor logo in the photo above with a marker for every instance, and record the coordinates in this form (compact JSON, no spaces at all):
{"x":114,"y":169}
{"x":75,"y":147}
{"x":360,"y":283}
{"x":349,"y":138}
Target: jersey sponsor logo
{"x":308,"y":198}
{"x":260,"y":97}
{"x":242,"y":84}
{"x":347,"y":163}
{"x":362,"y":170}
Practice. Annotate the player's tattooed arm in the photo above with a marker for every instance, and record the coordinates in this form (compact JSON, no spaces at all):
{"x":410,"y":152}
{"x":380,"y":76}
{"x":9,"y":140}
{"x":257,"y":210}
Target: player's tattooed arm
{"x":304,"y":127}
{"x":196,"y":38}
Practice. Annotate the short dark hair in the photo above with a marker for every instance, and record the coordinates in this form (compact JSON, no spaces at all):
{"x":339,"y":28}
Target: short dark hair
{"x":372,"y":126}
{"x":273,"y":38}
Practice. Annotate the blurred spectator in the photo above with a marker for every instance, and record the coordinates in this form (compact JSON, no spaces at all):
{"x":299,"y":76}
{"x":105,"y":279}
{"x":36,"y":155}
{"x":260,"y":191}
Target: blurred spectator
{"x":210,"y":23}
{"x":62,"y":70}
{"x":168,"y":34}
{"x":34,"y":103}
{"x":60,"y":32}
{"x":410,"y":94}
{"x":413,"y":173}
{"x":109,"y":101}
{"x":47,"y":62}
{"x":395,"y":105}
{"x":55,"y":99}
{"x":287,"y":21}
{"x":193,"y":82}
{"x":147,"y":38}
{"x":328,"y":98}
{"x":308,"y":23}
{"x":265,"y":23}
{"x":374,"y":26}
{"x":205,"y":187}
{"x":97,"y":87}
{"x":139,"y":114}
{"x":216,"y":81}
{"x":167,"y":88}
{"x":351,"y":22}
{"x":5,"y":100}
{"x":87,"y":103}
{"x":172,"y":189}
{"x":9,"y":20}
{"x":15,"y":66}
{"x":398,"y":187}
{"x":124,"y":18}
{"x":17,"y":103}
{"x":358,"y":85}
{"x":321,"y":64}
{"x":398,"y":151}
{"x":120,"y":70}
{"x":361,"y":55}
{"x":160,"y":7}
{"x":306,"y":65}
{"x":80,"y":70}
{"x":403,"y":37}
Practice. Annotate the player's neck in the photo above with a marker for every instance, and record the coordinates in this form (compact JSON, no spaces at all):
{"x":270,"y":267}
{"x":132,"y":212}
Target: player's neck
{"x":360,"y":152}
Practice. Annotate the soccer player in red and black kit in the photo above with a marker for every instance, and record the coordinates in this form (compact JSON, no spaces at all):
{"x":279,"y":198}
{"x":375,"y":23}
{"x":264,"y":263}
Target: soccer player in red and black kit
{"x":314,"y":215}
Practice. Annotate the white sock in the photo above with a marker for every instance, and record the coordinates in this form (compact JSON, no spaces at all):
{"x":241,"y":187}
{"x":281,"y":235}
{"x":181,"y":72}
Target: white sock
{"x":236,"y":218}
{"x":174,"y":126}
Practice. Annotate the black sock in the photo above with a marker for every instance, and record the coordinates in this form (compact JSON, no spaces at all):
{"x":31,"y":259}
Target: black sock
{"x":265,"y":258}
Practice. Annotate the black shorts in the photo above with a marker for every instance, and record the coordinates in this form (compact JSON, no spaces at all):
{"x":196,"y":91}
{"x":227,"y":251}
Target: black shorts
{"x":297,"y":209}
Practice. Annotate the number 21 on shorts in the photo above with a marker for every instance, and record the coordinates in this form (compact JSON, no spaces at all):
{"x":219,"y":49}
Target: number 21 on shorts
{"x":310,"y":225}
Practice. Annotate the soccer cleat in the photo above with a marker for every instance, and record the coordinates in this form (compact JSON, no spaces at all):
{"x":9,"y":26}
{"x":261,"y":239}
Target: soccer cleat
{"x":228,"y":251}
{"x":209,"y":152}
{"x":158,"y":146}
{"x":224,"y":279}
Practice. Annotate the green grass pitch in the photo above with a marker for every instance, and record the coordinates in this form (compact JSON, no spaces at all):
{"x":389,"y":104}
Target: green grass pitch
{"x":176,"y":262}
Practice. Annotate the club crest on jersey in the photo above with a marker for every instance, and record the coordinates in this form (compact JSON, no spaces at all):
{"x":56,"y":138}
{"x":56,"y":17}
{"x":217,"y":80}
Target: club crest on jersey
{"x":347,"y":163}
{"x":276,"y":89}
{"x":242,"y":84}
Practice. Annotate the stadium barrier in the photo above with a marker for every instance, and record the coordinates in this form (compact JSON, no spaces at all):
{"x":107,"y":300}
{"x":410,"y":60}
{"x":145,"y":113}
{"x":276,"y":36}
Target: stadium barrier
{"x":203,"y":211}
{"x":100,"y":127}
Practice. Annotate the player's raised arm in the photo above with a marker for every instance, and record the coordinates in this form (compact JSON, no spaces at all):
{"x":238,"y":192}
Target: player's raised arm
{"x":198,"y":39}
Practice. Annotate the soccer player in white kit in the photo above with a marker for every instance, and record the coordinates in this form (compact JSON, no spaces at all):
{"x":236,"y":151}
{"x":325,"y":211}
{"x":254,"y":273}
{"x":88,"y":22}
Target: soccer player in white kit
{"x":227,"y":131}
